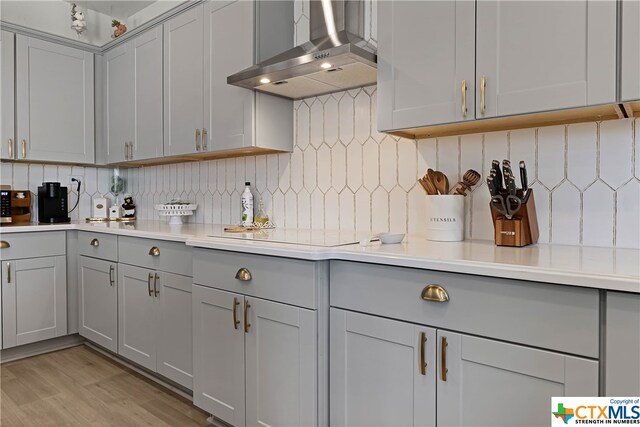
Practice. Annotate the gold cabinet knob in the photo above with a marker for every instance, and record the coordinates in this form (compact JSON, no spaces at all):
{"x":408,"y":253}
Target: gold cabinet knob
{"x":154,"y":251}
{"x":95,"y":243}
{"x":435,"y":293}
{"x":243,"y":275}
{"x":4,"y":244}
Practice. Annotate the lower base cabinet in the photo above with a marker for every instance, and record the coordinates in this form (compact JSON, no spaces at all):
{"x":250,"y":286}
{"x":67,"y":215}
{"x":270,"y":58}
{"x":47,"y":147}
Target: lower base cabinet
{"x":391,"y":373}
{"x":255,"y":361}
{"x":154,"y":321}
{"x":99,"y":301}
{"x":34,"y":300}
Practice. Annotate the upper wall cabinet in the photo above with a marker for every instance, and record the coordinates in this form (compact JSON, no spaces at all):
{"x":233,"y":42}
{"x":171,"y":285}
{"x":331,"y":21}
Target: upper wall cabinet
{"x":426,"y":60}
{"x":54,"y":98}
{"x":133,"y":99}
{"x":202,"y":113}
{"x":544,"y":55}
{"x":630,"y":58}
{"x":7,"y":95}
{"x":511,"y":57}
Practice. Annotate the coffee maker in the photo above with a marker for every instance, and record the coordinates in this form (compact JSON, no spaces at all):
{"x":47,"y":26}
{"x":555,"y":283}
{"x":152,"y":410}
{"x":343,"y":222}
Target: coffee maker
{"x":52,"y":203}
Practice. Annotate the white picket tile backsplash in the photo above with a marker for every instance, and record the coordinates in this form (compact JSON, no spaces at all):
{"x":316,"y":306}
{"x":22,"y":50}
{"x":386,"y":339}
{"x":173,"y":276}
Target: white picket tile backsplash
{"x":343,"y":174}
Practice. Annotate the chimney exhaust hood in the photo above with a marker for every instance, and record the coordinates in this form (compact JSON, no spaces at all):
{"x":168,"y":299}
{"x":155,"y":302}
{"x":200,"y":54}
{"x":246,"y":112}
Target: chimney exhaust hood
{"x":337,"y":57}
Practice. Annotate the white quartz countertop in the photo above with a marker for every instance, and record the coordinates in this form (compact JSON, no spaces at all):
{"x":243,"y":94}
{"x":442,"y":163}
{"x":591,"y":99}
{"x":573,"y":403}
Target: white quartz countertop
{"x":602,"y":268}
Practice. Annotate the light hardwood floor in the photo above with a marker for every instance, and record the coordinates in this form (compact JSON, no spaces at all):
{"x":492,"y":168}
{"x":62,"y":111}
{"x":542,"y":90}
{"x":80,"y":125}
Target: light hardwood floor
{"x":81,"y":387}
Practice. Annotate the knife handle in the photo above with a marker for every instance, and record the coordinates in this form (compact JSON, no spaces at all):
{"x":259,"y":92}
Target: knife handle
{"x":523,"y":177}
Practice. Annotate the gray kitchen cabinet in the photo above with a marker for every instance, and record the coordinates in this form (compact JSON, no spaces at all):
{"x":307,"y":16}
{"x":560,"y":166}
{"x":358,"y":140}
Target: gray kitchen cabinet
{"x":118,"y":79}
{"x":383,"y":372}
{"x":184,"y":82}
{"x":29,"y":286}
{"x":154,"y":321}
{"x":426,"y":63}
{"x":492,"y":383}
{"x":147,"y":95}
{"x":7,"y":95}
{"x":245,"y":118}
{"x":544,"y":55}
{"x":258,"y":318}
{"x":218,"y":335}
{"x":54,"y":102}
{"x":99,"y":301}
{"x":622,"y":345}
{"x":630,"y":51}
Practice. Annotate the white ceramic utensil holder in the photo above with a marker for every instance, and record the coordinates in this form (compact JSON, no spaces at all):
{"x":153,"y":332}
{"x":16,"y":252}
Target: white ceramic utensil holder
{"x":445,"y":218}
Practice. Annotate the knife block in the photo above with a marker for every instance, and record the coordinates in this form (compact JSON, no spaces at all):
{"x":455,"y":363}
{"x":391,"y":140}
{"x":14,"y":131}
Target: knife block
{"x":522,"y":229}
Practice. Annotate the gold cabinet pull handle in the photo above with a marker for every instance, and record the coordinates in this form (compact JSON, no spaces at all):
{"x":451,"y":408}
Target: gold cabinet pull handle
{"x":197,"y":140}
{"x":236,"y":322}
{"x":8,"y":272}
{"x":464,"y":98}
{"x":247,"y":325}
{"x":4,"y":244}
{"x":483,"y":84}
{"x":23,"y":144}
{"x":243,"y":275}
{"x":111,"y":271}
{"x":149,"y":284}
{"x":156,"y":291}
{"x":434,"y":293}
{"x":126,"y":151}
{"x":204,"y":139}
{"x":154,"y":251}
{"x":10,"y":148}
{"x":130,"y":150}
{"x":95,"y":243}
{"x":422,"y":361}
{"x":443,"y":358}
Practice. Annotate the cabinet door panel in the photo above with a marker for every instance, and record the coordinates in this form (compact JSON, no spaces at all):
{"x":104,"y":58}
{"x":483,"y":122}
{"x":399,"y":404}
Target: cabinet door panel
{"x":183,"y":81}
{"x":375,"y":376}
{"x":147,"y":72}
{"x":99,"y":302}
{"x":7,"y":95}
{"x":622,"y":369}
{"x":218,"y":354}
{"x":34,"y":300}
{"x":55,"y":111}
{"x":119,"y":101}
{"x":281,"y":367}
{"x":490,"y":383}
{"x":136,"y":316}
{"x":543,"y":55}
{"x":175,"y":339}
{"x":228,"y":109}
{"x":630,"y":84}
{"x":426,"y":49}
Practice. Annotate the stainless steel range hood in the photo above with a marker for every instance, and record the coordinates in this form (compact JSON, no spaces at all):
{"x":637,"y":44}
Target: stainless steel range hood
{"x":336,"y":58}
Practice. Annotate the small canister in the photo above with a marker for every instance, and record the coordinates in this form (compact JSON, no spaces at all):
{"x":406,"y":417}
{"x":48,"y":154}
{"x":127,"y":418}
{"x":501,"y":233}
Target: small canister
{"x":100,"y":207}
{"x":445,"y":218}
{"x":114,"y":212}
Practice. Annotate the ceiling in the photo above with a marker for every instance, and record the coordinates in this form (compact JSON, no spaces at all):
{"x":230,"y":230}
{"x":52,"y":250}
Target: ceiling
{"x":117,"y":8}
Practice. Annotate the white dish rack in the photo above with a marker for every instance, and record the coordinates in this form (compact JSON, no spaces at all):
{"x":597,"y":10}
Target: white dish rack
{"x":176,"y":211}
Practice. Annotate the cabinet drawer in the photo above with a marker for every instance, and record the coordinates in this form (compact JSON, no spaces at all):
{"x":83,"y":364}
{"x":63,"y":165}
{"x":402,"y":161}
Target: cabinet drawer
{"x":173,"y":257}
{"x":561,"y":318}
{"x":33,"y":244}
{"x":98,"y":245}
{"x":291,"y":281}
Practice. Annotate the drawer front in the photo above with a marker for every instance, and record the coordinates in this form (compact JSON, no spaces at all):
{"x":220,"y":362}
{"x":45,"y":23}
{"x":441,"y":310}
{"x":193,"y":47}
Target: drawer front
{"x":286,"y":280}
{"x":98,"y":245}
{"x":33,"y":244}
{"x":561,"y":318}
{"x":172,"y":257}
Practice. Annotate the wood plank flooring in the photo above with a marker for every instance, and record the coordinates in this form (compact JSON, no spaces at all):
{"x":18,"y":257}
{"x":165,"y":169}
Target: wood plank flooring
{"x":81,"y":387}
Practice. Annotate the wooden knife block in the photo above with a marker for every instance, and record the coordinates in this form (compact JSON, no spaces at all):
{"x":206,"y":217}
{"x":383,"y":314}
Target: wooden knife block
{"x":522,"y":229}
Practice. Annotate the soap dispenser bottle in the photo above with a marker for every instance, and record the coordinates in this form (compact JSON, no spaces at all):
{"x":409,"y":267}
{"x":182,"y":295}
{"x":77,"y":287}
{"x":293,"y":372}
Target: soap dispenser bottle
{"x":247,"y":205}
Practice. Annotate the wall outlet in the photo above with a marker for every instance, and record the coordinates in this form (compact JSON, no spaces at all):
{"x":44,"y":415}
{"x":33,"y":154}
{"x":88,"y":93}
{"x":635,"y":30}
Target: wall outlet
{"x":73,"y":186}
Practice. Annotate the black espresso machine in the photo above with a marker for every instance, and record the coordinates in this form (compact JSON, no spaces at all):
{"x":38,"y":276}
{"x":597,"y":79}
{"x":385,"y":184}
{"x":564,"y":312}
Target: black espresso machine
{"x":52,"y":203}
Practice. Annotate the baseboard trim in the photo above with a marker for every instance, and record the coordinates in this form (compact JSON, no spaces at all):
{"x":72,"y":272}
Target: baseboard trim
{"x":179,"y":390}
{"x":40,"y":347}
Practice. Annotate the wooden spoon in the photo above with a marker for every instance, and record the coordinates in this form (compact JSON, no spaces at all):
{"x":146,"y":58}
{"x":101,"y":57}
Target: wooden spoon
{"x":441,"y":182}
{"x":428,"y":186}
